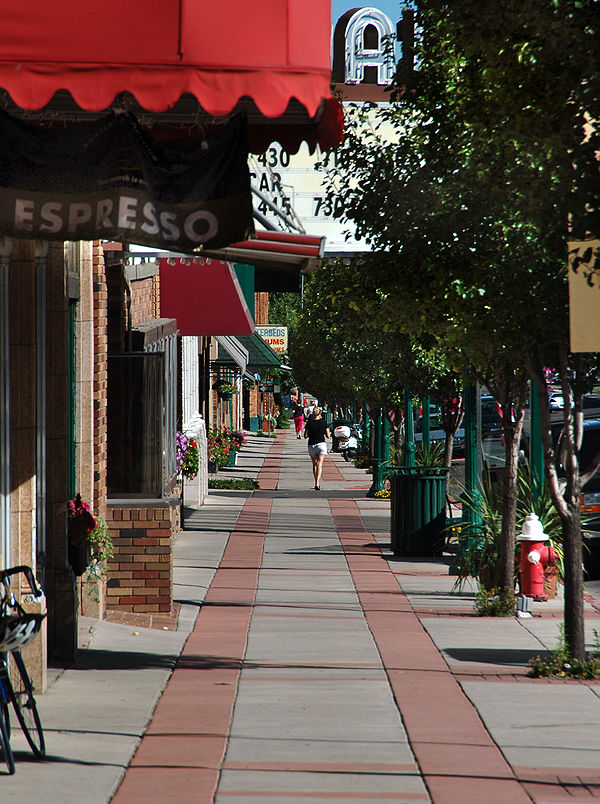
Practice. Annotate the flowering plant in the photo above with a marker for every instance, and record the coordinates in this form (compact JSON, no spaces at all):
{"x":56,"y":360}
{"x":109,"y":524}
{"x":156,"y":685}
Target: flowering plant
{"x":188,"y":457}
{"x":89,"y":535}
{"x":226,"y":388}
{"x":191,"y":460}
{"x":236,"y":438}
{"x":382,"y":493}
{"x":81,"y":521}
{"x":218,"y":447}
{"x":182,"y":445}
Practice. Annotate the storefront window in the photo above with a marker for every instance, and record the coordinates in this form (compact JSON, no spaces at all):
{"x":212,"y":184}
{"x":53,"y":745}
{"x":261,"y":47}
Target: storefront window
{"x":136,"y":383}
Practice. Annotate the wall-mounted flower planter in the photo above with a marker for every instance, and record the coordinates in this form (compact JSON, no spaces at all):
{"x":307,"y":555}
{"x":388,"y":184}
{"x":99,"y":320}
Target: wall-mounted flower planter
{"x":79,"y":557}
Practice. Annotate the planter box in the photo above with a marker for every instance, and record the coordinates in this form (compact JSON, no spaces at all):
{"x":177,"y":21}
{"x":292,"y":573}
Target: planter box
{"x":232,"y":457}
{"x":213,"y":467}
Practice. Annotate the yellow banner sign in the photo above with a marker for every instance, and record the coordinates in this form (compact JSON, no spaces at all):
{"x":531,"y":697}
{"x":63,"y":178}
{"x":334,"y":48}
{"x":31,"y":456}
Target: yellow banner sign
{"x":584,"y":295}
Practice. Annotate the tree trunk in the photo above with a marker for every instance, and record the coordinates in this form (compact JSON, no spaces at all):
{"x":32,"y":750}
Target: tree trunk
{"x":398,"y":433}
{"x":448,"y":449}
{"x":566,"y":501}
{"x":512,"y":438}
{"x":574,"y":622}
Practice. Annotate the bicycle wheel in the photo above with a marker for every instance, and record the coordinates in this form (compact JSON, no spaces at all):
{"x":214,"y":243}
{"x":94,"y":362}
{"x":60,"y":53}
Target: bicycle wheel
{"x":6,"y":715}
{"x":7,"y":753}
{"x":26,"y":709}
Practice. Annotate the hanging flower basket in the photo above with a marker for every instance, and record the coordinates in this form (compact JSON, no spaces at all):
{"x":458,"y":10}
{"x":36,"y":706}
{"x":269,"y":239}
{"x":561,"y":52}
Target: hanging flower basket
{"x":80,"y":557}
{"x":226,"y":390}
{"x":81,"y":524}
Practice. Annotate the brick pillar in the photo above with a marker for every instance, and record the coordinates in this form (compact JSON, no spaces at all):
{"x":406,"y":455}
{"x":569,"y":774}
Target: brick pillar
{"x":141,"y":571}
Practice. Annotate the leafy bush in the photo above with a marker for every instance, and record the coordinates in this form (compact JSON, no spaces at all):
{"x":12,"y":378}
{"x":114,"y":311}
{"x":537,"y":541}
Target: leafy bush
{"x":495,"y":602}
{"x":363,"y":459}
{"x":560,"y":663}
{"x":245,"y":484}
{"x":429,"y":455}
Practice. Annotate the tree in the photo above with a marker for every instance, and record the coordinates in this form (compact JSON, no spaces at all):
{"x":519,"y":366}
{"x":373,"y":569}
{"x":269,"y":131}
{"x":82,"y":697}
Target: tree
{"x":342,"y":354}
{"x":466,"y":189}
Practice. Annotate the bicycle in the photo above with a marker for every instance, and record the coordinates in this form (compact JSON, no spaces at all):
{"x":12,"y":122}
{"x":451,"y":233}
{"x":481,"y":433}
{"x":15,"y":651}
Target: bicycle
{"x":17,"y":629}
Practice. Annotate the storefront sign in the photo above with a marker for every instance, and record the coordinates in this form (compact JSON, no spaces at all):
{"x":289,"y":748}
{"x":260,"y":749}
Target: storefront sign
{"x":111,"y":180}
{"x":275,"y":336}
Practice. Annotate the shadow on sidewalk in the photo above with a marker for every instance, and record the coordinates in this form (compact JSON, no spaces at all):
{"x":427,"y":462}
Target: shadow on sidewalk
{"x":94,"y":659}
{"x":324,"y":494}
{"x":498,"y":656}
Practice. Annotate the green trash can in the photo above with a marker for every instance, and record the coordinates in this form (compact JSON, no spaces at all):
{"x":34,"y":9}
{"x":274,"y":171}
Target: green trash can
{"x":418,"y":509}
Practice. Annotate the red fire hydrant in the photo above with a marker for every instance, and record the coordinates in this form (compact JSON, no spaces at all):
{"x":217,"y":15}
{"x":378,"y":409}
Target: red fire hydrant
{"x":535,"y":557}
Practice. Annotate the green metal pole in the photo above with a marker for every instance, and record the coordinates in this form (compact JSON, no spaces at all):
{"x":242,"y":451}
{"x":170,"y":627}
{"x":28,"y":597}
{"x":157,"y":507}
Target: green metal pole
{"x":426,"y":422}
{"x":536,"y":448}
{"x":409,"y":431}
{"x":377,"y":483}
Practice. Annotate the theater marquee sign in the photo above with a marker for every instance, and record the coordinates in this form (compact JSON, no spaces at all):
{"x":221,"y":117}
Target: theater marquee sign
{"x":111,"y":180}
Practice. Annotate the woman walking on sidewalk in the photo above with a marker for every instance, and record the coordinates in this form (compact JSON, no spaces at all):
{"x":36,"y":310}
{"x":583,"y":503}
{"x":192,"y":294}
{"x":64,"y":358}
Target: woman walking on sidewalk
{"x":298,"y":416}
{"x":317,"y":430}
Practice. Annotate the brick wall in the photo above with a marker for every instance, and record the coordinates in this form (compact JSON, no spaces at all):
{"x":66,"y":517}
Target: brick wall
{"x":261,"y":308}
{"x":143,"y":304}
{"x":141,"y":570}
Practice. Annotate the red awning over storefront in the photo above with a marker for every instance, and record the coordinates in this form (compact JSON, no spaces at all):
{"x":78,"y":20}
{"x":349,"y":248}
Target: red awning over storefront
{"x":204,"y":296}
{"x":302,"y":253}
{"x":270,"y":55}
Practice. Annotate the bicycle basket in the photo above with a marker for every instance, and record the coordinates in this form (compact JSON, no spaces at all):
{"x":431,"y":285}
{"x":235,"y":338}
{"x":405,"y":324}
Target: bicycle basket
{"x":16,"y":630}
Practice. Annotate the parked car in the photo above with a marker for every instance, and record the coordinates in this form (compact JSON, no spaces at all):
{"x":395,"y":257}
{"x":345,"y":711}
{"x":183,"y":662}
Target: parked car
{"x":490,"y":418}
{"x":437,"y":435}
{"x":590,"y":498}
{"x":556,"y":401}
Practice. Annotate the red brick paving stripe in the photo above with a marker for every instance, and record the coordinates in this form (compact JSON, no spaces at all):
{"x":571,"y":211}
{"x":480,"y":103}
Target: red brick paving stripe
{"x":193,"y":716}
{"x":183,"y":785}
{"x":423,"y":684}
{"x":268,"y":477}
{"x":330,"y":470}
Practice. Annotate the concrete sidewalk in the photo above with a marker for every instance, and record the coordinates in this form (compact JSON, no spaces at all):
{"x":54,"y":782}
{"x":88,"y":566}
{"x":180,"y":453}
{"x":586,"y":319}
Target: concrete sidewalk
{"x":310,"y":664}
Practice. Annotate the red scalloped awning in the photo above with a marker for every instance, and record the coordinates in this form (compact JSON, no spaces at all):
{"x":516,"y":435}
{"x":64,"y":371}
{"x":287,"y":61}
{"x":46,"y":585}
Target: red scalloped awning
{"x":222,"y":52}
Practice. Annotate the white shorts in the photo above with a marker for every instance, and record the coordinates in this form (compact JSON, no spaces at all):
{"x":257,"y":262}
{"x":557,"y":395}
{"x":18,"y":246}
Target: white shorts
{"x":317,"y":449}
